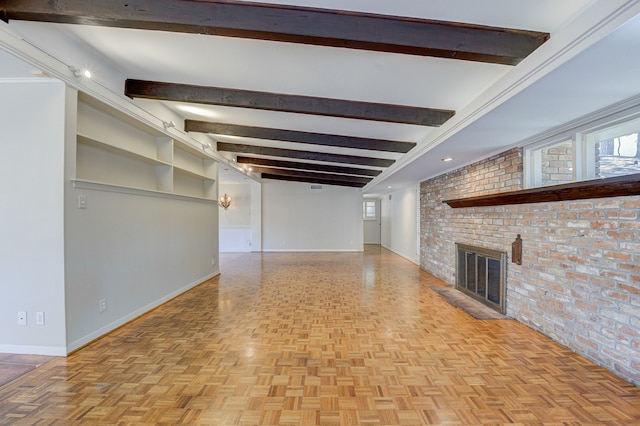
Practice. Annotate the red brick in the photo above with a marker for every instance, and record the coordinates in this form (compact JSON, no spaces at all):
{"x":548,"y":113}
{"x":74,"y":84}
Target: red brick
{"x":621,"y":235}
{"x":622,"y":214}
{"x":629,"y":267}
{"x":632,"y":203}
{"x":576,"y":276}
{"x":597,"y":224}
{"x":618,"y":255}
{"x":629,"y":288}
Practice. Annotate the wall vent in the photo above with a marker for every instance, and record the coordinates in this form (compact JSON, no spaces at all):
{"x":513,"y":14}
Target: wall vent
{"x":312,"y":186}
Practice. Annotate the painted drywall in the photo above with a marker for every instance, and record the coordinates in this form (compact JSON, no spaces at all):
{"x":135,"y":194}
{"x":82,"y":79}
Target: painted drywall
{"x":133,"y":249}
{"x":31,"y":211}
{"x":399,"y":222}
{"x":298,"y":218}
{"x":256,"y":216}
{"x":235,"y":221}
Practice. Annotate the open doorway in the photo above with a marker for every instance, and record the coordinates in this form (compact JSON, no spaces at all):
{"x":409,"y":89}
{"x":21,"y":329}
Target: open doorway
{"x":371,"y":220}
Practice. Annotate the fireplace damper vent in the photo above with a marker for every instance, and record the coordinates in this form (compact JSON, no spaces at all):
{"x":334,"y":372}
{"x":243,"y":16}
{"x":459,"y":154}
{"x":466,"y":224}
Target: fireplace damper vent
{"x":480,"y":273}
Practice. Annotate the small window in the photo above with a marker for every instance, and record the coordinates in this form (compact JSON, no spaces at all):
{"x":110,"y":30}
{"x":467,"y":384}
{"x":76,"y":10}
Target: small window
{"x":369,"y":210}
{"x":553,"y":164}
{"x":601,"y":149}
{"x":616,"y":150}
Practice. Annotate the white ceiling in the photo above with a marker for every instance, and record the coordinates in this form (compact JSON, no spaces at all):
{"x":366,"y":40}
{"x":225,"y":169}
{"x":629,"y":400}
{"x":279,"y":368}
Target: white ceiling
{"x":497,"y":106}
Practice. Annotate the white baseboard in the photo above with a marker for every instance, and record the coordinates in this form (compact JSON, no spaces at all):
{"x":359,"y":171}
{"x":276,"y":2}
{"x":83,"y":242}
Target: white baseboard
{"x":33,"y":350}
{"x":125,"y":319}
{"x":312,"y":250}
{"x":414,"y":260}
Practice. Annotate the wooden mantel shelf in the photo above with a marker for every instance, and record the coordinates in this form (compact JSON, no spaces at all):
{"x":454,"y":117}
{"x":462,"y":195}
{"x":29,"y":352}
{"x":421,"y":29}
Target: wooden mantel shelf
{"x":599,"y":188}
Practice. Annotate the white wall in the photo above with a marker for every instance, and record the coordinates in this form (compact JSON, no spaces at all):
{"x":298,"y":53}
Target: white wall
{"x":399,"y":223}
{"x":31,"y":215}
{"x":256,"y":216}
{"x":297,"y":218}
{"x":235,"y":222}
{"x":134,"y":249}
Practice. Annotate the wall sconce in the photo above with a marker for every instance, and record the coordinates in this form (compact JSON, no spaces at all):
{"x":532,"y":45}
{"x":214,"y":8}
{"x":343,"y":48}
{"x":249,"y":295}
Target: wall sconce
{"x":225,"y":201}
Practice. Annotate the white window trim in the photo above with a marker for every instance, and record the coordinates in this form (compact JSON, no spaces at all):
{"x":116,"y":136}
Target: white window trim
{"x":375,"y":204}
{"x":627,"y":111}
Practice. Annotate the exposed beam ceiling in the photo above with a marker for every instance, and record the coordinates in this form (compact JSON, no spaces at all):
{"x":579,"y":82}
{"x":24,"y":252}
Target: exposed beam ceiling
{"x":307,"y":166}
{"x":285,"y":103}
{"x":340,"y":179}
{"x":304,"y":155}
{"x":293,"y":24}
{"x":310,"y":180}
{"x":297,"y":136}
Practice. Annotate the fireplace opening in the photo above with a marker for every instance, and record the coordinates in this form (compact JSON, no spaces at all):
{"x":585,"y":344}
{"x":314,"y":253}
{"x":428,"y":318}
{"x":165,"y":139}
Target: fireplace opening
{"x":480,"y":273}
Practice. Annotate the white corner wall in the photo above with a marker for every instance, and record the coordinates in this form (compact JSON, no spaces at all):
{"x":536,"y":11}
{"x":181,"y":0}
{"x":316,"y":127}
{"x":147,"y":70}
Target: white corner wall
{"x":235,"y":221}
{"x":297,"y":218}
{"x":31,"y":216}
{"x":399,"y":223}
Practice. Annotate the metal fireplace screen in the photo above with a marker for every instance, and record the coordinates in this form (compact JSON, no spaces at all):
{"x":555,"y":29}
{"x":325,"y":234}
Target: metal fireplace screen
{"x":481,"y":273}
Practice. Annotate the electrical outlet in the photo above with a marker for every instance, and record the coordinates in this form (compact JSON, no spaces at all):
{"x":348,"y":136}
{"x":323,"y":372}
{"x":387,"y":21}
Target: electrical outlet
{"x":82,"y":201}
{"x":39,"y":318}
{"x":103,"y":305}
{"x":22,"y":318}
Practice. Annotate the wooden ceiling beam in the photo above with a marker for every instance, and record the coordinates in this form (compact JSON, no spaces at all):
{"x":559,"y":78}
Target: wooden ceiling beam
{"x":285,"y":103}
{"x":307,"y":166}
{"x":292,"y":24}
{"x":311,"y":180}
{"x":304,"y":155}
{"x":310,"y":175}
{"x":297,"y":136}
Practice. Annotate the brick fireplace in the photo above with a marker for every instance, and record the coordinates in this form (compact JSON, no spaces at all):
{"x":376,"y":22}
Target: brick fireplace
{"x":579,"y":281}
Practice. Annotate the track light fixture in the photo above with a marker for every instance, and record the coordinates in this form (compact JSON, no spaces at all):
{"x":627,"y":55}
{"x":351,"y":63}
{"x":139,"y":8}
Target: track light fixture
{"x":77,"y":72}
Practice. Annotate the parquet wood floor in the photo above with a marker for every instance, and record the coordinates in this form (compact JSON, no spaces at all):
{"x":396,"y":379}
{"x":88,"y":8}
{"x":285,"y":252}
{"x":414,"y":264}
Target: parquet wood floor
{"x":319,"y":339}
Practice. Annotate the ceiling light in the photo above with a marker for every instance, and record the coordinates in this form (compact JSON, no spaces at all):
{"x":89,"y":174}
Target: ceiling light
{"x":445,"y":159}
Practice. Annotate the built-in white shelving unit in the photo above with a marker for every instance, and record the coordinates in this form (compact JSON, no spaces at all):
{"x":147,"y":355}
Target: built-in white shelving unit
{"x":117,"y":151}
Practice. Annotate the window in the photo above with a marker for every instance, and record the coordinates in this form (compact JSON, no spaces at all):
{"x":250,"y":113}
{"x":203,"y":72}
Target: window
{"x":616,"y":150}
{"x":553,"y":164}
{"x":369,"y":210}
{"x":600,"y":149}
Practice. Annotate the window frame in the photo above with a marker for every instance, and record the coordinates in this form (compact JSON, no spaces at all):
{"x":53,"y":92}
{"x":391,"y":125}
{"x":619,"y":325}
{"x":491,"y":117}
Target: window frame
{"x":365,"y":216}
{"x":583,"y":134}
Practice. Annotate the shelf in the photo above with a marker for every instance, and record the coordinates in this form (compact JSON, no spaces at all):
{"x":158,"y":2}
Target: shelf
{"x":116,"y":154}
{"x":108,"y":187}
{"x":121,"y":151}
{"x":601,"y":188}
{"x":190,"y":173}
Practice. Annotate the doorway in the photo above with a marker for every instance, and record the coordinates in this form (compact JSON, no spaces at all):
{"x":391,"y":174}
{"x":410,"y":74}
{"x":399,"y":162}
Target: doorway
{"x":371,"y":219}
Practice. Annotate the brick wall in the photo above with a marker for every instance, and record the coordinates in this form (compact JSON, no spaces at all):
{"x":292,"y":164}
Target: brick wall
{"x":580,"y":278}
{"x":557,"y":164}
